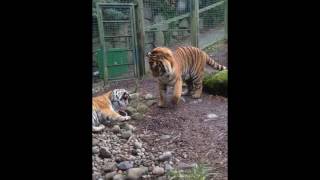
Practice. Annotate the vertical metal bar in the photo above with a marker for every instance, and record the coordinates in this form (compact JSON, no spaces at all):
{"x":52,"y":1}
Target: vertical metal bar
{"x":226,"y":19}
{"x":133,"y":41}
{"x":140,"y":37}
{"x":102,"y":41}
{"x":195,"y":23}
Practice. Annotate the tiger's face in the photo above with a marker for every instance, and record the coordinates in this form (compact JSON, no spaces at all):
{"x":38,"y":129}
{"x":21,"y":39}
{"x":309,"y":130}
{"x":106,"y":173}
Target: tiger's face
{"x":120,"y":99}
{"x":159,"y":61}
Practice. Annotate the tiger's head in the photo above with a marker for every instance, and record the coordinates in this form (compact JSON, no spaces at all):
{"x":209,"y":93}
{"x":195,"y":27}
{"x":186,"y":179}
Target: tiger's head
{"x":161,"y":61}
{"x":119,"y":98}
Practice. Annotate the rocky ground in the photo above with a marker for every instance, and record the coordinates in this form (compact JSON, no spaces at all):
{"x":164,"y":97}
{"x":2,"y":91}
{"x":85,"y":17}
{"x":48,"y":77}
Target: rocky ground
{"x":158,"y":140}
{"x":119,"y":152}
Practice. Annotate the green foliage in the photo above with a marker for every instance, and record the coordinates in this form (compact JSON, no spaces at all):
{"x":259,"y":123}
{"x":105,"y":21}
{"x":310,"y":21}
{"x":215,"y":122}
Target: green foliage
{"x":216,"y":83}
{"x":199,"y":172}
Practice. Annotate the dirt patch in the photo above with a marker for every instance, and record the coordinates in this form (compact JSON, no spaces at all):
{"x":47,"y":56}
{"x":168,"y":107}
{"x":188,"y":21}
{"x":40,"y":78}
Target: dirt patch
{"x":195,"y":131}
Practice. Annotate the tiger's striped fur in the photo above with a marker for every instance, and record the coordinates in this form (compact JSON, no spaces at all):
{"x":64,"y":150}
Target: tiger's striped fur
{"x":185,"y":64}
{"x":105,"y":108}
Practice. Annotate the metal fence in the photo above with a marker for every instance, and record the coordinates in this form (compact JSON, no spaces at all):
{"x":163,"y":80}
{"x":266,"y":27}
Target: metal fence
{"x":113,"y":40}
{"x":211,"y":22}
{"x":170,"y":23}
{"x":166,"y":23}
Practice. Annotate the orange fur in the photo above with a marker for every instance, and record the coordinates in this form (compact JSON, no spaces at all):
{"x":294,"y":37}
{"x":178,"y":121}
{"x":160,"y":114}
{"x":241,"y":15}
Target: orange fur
{"x":172,"y":68}
{"x":103,"y":104}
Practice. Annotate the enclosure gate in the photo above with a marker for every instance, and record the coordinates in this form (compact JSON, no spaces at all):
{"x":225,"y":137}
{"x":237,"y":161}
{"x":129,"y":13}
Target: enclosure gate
{"x":117,"y":33}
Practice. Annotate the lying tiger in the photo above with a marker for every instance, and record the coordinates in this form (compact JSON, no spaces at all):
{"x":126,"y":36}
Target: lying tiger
{"x":106,"y":107}
{"x":172,"y":68}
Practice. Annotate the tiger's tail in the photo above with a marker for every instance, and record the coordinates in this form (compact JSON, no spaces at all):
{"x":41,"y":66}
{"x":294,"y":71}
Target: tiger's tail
{"x":210,"y":61}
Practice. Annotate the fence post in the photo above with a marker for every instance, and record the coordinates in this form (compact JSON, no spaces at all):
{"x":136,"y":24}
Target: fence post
{"x":195,"y":23}
{"x":140,"y":37}
{"x":102,"y":42}
{"x":226,"y":19}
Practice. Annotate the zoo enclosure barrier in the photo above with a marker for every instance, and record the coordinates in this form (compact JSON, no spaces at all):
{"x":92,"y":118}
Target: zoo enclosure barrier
{"x":170,"y":23}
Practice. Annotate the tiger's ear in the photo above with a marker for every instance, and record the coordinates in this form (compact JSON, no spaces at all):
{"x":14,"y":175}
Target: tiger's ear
{"x":148,"y":54}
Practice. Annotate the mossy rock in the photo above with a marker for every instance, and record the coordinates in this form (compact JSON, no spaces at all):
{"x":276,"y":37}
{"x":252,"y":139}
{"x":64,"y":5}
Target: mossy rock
{"x":216,"y":83}
{"x":142,"y":108}
{"x":137,"y":116}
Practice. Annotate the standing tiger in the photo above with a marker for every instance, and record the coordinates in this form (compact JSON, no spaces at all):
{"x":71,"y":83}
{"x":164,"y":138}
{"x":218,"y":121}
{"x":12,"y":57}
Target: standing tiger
{"x":172,"y":68}
{"x":106,"y":107}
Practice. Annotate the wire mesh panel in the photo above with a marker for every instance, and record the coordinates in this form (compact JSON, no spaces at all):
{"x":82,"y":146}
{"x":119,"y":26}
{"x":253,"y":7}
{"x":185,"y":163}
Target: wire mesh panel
{"x":167,"y":23}
{"x":211,"y":21}
{"x":96,"y":75}
{"x":117,"y":37}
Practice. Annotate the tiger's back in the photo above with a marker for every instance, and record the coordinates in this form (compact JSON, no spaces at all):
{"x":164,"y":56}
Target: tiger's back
{"x":185,"y":64}
{"x":192,"y":61}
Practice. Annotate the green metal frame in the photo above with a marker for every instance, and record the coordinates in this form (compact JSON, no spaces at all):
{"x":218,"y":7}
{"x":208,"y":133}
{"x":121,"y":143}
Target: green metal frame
{"x":132,"y":46}
{"x":102,"y":44}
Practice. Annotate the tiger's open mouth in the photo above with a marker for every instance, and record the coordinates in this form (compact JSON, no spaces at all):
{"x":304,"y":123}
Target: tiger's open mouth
{"x":125,"y":96}
{"x":125,"y":102}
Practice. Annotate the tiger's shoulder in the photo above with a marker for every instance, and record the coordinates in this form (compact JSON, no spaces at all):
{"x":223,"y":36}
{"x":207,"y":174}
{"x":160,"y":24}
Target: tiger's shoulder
{"x":101,"y":101}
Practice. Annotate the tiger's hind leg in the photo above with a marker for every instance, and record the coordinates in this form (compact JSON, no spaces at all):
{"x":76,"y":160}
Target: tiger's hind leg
{"x":188,"y":90}
{"x":197,"y":92}
{"x":197,"y":86}
{"x":98,"y":128}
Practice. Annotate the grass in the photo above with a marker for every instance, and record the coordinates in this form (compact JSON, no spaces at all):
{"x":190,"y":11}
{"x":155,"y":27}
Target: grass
{"x":200,"y":172}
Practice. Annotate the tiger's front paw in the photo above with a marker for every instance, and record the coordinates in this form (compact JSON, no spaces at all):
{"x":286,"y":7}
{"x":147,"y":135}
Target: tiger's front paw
{"x":175,"y":100}
{"x":196,"y":96}
{"x":124,"y":118}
